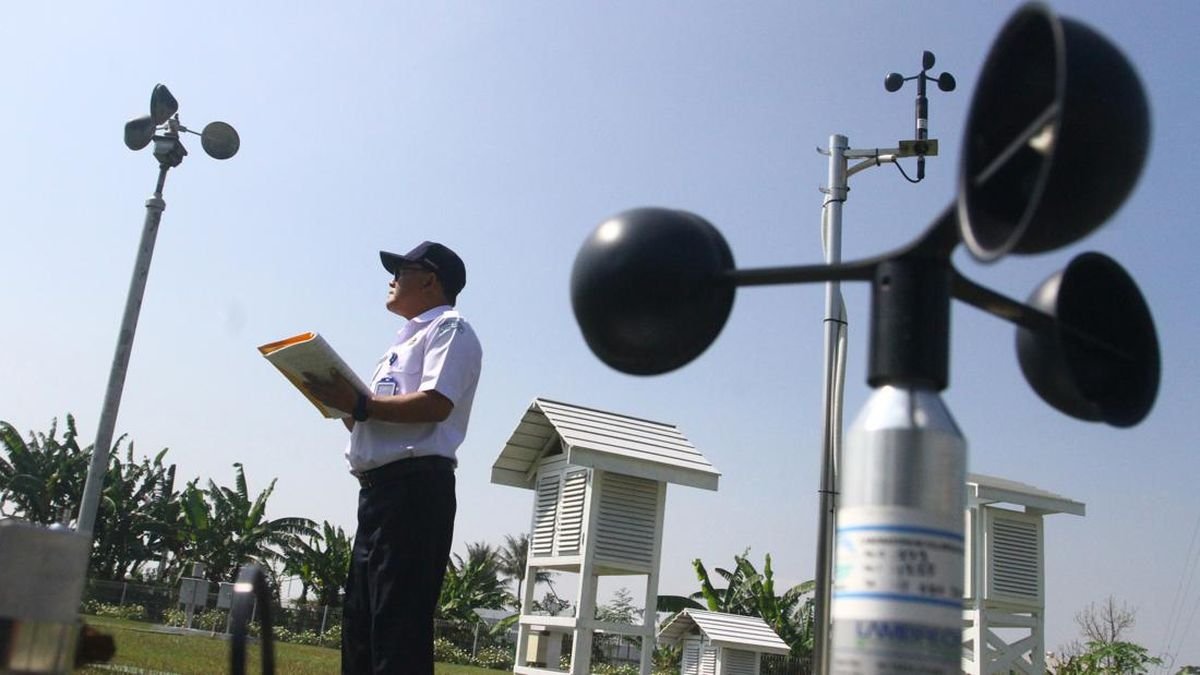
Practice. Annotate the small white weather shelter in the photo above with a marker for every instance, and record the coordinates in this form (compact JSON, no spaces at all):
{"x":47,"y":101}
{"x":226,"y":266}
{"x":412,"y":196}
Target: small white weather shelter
{"x":600,"y":482}
{"x":1005,"y":596}
{"x":721,"y":644}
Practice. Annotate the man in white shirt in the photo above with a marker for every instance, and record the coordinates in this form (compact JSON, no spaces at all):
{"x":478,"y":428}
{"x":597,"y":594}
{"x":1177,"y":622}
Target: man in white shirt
{"x":403,"y":442}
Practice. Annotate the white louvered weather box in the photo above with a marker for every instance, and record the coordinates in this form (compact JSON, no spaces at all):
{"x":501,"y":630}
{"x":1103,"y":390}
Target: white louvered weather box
{"x":600,"y":483}
{"x":1004,"y":598}
{"x":713,"y":643}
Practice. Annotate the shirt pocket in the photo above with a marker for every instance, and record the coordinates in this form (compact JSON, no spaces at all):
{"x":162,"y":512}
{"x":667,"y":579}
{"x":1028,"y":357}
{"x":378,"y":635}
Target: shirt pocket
{"x":407,"y":369}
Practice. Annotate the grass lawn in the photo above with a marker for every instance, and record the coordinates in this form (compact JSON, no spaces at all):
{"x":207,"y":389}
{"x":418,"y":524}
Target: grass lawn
{"x":140,"y":648}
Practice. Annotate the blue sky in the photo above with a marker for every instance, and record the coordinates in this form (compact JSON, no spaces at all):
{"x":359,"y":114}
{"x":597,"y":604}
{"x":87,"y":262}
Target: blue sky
{"x":508,"y":131}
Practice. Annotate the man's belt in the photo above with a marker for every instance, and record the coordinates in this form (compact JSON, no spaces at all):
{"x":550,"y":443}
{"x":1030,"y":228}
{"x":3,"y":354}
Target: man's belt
{"x":403,"y":467}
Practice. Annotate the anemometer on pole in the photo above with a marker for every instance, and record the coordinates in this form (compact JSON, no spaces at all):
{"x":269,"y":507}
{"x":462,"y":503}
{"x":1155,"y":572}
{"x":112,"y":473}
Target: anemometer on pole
{"x":1055,"y":139}
{"x":162,"y":127}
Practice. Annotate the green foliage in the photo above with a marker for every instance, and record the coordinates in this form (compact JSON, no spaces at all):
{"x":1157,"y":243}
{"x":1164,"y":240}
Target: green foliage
{"x":602,"y":668}
{"x":174,"y":617}
{"x":42,"y":480}
{"x":140,"y":516}
{"x":447,"y":652}
{"x":667,"y":659}
{"x":129,"y":612}
{"x":217,"y":620}
{"x":513,"y":558}
{"x":210,"y":619}
{"x":496,"y":658}
{"x":471,"y":583}
{"x":331,"y":638}
{"x":225,"y":529}
{"x":322,"y":563}
{"x":748,"y":592}
{"x":136,"y":510}
{"x":611,"y":669}
{"x":1110,"y":658}
{"x":619,"y":610}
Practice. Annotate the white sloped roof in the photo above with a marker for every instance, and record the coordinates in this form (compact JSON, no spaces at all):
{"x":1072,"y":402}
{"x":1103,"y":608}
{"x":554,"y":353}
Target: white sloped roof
{"x":750,"y":633}
{"x":601,"y":440}
{"x":983,"y":489}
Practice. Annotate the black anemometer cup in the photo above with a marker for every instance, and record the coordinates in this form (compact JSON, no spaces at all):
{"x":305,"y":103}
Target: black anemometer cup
{"x":1055,"y":138}
{"x":649,"y":289}
{"x":1100,"y":361}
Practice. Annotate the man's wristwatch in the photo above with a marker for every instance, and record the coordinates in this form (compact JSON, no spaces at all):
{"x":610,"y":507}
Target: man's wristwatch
{"x":360,"y":409}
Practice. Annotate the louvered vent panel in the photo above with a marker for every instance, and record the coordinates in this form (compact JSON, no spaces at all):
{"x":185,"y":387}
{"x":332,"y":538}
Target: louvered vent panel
{"x":691,"y":657}
{"x":708,"y":660}
{"x":627,"y":521}
{"x":570,"y":520}
{"x":739,"y":662}
{"x":1015,"y":565}
{"x":545,"y":511}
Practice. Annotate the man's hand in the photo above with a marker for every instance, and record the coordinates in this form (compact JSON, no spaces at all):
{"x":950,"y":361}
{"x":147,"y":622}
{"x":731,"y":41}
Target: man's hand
{"x":336,"y":392}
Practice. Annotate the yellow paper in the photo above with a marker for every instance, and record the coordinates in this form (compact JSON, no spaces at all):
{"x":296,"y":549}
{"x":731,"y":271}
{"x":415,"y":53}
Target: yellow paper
{"x":310,"y":353}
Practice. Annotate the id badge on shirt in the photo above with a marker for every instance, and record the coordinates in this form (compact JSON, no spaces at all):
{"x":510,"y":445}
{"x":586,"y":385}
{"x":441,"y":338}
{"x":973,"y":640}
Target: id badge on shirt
{"x":385,"y":387}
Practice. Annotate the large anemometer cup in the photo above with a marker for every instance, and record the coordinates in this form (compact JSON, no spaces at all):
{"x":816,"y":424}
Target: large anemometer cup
{"x":649,"y":289}
{"x":1055,"y":139}
{"x":1099,"y":359}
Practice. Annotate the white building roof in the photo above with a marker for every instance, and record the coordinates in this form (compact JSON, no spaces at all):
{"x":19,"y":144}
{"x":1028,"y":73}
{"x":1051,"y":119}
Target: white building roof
{"x":750,"y":633}
{"x":983,"y":489}
{"x":492,"y":616}
{"x":601,"y":440}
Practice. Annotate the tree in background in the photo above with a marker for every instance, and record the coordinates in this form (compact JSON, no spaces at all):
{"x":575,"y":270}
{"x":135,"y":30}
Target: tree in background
{"x":321,"y":563}
{"x":513,"y":558}
{"x":41,"y":480}
{"x":748,"y":592}
{"x":1103,"y":628}
{"x":133,"y":514}
{"x":224,"y":529}
{"x":472,"y":583}
{"x":619,"y":610}
{"x":1110,"y":658}
{"x":1106,"y":623}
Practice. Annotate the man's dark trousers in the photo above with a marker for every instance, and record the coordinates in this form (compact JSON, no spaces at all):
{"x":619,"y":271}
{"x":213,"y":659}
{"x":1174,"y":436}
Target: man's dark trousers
{"x":405,"y":526}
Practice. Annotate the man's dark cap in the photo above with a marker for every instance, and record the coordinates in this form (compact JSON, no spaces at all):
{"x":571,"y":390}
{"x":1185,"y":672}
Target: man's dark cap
{"x":436,"y":258}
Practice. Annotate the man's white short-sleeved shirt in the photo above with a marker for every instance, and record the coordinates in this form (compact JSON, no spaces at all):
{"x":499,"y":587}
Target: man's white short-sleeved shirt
{"x":437,"y":351}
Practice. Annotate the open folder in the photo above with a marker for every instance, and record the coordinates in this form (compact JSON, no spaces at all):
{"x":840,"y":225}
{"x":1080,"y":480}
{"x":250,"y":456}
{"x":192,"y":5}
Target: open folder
{"x":310,"y":353}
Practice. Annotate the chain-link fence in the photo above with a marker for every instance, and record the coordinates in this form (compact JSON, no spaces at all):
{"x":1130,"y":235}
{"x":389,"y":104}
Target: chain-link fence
{"x":302,"y":623}
{"x":322,"y":625}
{"x":774,"y":664}
{"x":162,"y":603}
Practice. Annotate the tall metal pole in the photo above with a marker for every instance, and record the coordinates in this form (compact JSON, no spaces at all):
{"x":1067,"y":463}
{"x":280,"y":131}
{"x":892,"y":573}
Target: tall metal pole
{"x":834,"y":325}
{"x":120,"y":365}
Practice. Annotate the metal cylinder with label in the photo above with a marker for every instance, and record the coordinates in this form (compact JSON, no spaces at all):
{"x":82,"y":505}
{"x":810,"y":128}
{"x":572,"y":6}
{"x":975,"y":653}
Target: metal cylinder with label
{"x":898,"y":588}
